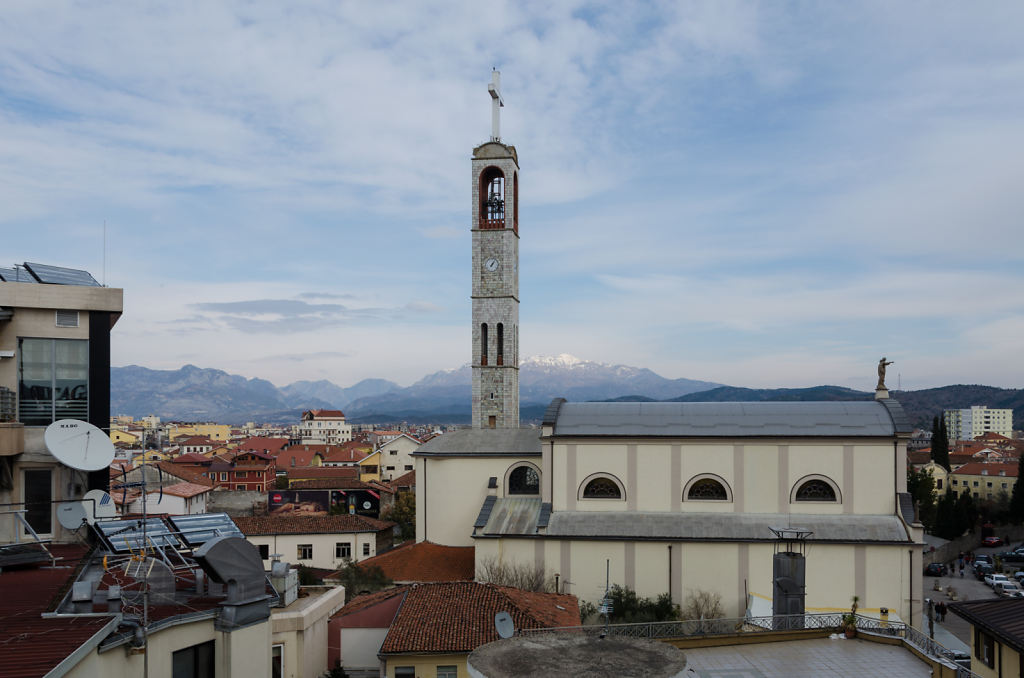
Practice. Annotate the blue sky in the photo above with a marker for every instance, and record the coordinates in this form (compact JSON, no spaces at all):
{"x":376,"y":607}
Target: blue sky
{"x":759,"y":194}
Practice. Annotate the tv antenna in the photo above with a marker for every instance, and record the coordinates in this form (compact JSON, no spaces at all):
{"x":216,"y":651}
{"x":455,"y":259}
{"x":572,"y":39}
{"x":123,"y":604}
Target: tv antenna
{"x":79,"y":445}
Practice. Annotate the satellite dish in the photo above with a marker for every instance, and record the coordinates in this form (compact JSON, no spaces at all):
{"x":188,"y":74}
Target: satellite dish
{"x":504,"y":625}
{"x":79,"y":444}
{"x":71,"y":514}
{"x":97,"y":505}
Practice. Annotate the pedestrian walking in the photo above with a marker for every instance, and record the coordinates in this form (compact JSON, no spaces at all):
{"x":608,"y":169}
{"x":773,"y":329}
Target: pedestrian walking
{"x":961,"y":570}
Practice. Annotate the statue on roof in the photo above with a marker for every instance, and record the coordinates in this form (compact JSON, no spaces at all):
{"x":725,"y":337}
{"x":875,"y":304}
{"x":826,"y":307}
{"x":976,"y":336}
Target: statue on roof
{"x":881,"y":374}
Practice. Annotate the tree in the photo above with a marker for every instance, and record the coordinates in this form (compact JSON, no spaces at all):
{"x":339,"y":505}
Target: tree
{"x":281,"y":483}
{"x":940,"y":443}
{"x":921,"y":486}
{"x":1016,"y":512}
{"x":945,"y":517}
{"x":628,"y":607}
{"x":518,"y":575}
{"x":359,"y":579}
{"x":403,"y":512}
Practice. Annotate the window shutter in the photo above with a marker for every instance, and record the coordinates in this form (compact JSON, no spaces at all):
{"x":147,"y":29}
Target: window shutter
{"x":67,"y":318}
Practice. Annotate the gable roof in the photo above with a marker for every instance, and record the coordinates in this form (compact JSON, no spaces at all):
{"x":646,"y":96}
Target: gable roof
{"x":323,"y":414}
{"x":271,"y":525}
{"x":873,"y":418}
{"x":338,"y":484}
{"x":459,"y":616}
{"x":190,"y":458}
{"x":264,"y":444}
{"x":185,"y":490}
{"x":426,"y":562}
{"x":980,"y":468}
{"x":311,"y":472}
{"x":407,"y":479}
{"x":484,"y":442}
{"x":1002,"y":617}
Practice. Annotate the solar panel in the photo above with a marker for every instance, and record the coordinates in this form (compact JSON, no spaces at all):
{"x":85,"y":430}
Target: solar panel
{"x":15,"y":275}
{"x":199,"y":529}
{"x":123,"y":536}
{"x":56,"y":275}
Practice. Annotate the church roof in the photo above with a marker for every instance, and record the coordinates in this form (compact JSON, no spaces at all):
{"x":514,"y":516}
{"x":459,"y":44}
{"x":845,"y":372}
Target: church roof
{"x":728,"y":419}
{"x":484,"y":442}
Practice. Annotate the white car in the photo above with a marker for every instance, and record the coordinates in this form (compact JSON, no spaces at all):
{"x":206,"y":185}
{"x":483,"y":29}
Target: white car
{"x":993,"y":579}
{"x":1007,"y":588}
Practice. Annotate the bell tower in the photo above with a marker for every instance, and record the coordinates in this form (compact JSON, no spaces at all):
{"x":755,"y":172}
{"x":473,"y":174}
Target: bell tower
{"x":495,"y":295}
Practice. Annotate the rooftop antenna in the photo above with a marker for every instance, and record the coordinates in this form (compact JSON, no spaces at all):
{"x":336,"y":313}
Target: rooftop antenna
{"x":504,"y":625}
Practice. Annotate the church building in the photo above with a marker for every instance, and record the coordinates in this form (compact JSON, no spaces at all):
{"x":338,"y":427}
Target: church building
{"x":777,"y":507}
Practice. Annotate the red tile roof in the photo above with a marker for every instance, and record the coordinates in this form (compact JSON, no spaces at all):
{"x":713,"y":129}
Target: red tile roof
{"x":459,"y":616}
{"x":312,"y":472}
{"x":368,"y":600}
{"x":185,"y":473}
{"x":296,"y":457}
{"x":975,"y":468}
{"x":190,"y":458}
{"x":186,"y":490}
{"x":269,"y":525}
{"x":261,"y":444}
{"x":33,"y":646}
{"x":404,"y":480}
{"x":338,"y":484}
{"x":324,"y":414}
{"x":426,"y":562}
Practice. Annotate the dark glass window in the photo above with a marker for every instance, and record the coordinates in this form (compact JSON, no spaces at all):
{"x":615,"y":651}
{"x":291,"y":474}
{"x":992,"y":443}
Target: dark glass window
{"x":501,"y":344}
{"x":602,"y":488}
{"x":524,"y":480}
{"x":264,"y":551}
{"x":53,"y":380}
{"x":708,"y":488}
{"x":38,"y":495}
{"x":483,"y":344}
{"x":194,"y":662}
{"x":815,"y":490}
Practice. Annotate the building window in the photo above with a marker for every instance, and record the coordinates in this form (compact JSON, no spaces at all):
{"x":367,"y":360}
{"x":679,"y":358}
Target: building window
{"x":501,"y":344}
{"x":524,"y":480}
{"x":264,"y":551}
{"x":449,"y":671}
{"x":389,"y":468}
{"x":366,"y":549}
{"x":405,"y":672}
{"x":194,"y":662}
{"x":305,"y":551}
{"x":602,"y":487}
{"x":392,"y":452}
{"x":483,"y":344}
{"x":53,"y":380}
{"x":408,"y":467}
{"x":277,"y":661}
{"x":815,"y":489}
{"x":241,"y":474}
{"x":707,"y":488}
{"x":38,"y":495}
{"x":343,"y":550}
{"x":239,"y":487}
{"x":223,"y":477}
{"x":938,"y":483}
{"x":984,"y":648}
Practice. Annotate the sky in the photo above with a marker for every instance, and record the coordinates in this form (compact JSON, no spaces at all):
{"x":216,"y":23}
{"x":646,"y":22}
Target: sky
{"x":751,"y":193}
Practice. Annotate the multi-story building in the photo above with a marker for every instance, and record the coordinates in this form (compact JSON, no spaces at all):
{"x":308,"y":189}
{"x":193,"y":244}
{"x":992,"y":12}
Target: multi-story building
{"x":55,"y":328}
{"x":985,"y":480}
{"x":977,"y":420}
{"x":324,"y":426}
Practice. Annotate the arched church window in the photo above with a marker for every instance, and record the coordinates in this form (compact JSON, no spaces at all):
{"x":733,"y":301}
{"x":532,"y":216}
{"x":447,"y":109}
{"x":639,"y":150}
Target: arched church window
{"x":492,"y":198}
{"x":483,"y":343}
{"x":524,"y":480}
{"x":815,"y":489}
{"x":501,"y":344}
{"x":602,"y":487}
{"x":707,"y":489}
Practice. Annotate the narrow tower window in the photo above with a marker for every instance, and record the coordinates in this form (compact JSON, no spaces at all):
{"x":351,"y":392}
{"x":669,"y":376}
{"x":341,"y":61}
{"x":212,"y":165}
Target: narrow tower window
{"x":492,"y":198}
{"x":501,"y":344}
{"x":483,"y":344}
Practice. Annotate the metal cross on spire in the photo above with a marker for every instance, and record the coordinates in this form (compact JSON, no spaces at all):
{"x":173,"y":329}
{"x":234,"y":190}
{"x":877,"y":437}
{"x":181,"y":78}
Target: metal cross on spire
{"x":494,"y":89}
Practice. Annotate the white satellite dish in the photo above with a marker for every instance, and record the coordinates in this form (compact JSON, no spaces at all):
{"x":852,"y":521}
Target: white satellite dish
{"x":79,"y":444}
{"x":71,"y":514}
{"x":504,"y":625}
{"x":98,"y":504}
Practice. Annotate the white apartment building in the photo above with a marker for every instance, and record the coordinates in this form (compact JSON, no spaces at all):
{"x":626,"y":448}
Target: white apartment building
{"x":978,"y":420}
{"x":326,"y":427}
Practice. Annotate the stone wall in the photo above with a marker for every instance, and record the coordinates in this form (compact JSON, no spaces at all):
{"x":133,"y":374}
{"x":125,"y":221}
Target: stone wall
{"x":237,"y":502}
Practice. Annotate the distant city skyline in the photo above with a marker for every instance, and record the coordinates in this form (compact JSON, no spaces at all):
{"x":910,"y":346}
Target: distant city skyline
{"x":758,"y":195}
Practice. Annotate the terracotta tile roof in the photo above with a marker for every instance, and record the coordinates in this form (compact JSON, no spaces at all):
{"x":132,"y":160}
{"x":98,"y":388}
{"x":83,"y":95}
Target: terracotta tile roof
{"x":346,"y":453}
{"x":185,"y":473}
{"x":426,"y":562}
{"x":195,"y":441}
{"x":404,"y":480}
{"x":337,"y":484}
{"x":992,"y":435}
{"x":360,"y":603}
{"x":186,"y":490}
{"x":261,"y":444}
{"x":324,"y":414}
{"x":33,"y":646}
{"x":975,"y":468}
{"x":459,"y":616}
{"x":190,"y":458}
{"x":312,"y":472}
{"x":269,"y":525}
{"x":919,"y":457}
{"x":295,"y":457}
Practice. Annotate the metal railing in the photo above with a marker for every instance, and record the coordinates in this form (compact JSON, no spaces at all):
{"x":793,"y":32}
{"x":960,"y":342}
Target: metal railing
{"x":833,"y":621}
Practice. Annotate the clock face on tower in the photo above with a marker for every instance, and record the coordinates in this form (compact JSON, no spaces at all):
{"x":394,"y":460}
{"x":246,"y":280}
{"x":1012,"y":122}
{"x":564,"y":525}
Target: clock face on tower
{"x":491,"y":264}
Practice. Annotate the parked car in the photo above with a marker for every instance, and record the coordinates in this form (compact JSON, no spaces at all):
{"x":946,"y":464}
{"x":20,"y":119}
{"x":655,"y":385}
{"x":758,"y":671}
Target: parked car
{"x":992,"y":541}
{"x":1006,"y":588}
{"x":993,"y":579}
{"x":983,"y":558}
{"x":982,"y":569}
{"x":1012,"y":556}
{"x":936,"y":570}
{"x":1019,"y":576}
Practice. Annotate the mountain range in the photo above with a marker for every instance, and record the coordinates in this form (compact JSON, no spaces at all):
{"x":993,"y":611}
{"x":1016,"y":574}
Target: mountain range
{"x":203,"y":394}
